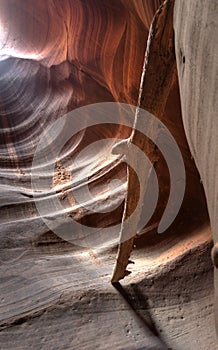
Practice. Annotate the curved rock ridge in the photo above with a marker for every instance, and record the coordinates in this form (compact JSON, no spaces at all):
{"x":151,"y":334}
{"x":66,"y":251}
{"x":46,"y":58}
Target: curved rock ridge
{"x":95,"y":37}
{"x":57,"y":56}
{"x":63,"y":55}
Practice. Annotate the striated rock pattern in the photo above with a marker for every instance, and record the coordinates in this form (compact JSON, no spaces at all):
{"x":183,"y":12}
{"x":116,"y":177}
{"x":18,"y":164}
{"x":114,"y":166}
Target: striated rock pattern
{"x":55,"y":56}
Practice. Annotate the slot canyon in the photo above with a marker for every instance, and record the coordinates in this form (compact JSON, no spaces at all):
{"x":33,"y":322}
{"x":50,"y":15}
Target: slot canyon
{"x":89,"y":60}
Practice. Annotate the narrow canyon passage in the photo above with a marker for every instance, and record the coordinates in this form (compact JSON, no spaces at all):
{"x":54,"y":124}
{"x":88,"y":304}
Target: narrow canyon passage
{"x":57,"y":56}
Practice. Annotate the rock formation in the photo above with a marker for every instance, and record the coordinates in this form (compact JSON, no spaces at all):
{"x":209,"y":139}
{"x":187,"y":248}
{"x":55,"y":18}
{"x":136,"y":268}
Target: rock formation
{"x":56,"y":56}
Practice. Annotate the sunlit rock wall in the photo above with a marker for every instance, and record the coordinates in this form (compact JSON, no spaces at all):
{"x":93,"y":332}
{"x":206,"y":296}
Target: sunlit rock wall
{"x":60,"y":55}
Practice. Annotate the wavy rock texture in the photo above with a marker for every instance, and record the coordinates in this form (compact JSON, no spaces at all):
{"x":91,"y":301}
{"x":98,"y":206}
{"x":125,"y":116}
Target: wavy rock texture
{"x":57,"y":56}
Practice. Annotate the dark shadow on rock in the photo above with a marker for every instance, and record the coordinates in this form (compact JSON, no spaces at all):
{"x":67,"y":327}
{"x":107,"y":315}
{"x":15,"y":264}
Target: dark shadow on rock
{"x":138,"y":302}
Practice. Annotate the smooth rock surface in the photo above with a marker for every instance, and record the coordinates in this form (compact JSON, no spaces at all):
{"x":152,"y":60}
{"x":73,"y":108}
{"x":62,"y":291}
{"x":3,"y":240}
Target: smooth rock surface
{"x":58,"y":55}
